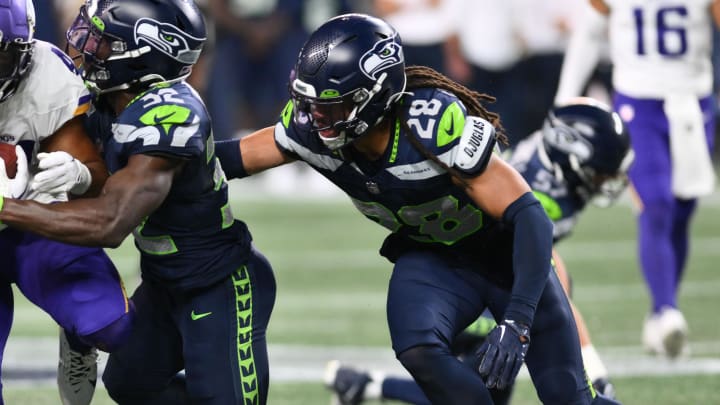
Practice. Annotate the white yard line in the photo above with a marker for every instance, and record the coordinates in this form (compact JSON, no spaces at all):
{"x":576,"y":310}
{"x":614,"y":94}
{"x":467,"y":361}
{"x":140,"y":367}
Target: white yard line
{"x":32,"y":361}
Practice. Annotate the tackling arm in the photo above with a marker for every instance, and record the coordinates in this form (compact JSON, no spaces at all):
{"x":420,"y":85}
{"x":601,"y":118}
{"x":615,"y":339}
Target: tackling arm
{"x":128,"y":196}
{"x":73,"y":139}
{"x":251,"y":154}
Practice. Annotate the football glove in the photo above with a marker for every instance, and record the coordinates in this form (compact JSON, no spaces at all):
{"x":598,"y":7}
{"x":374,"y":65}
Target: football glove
{"x":60,"y":173}
{"x":15,"y":187}
{"x":502,"y":354}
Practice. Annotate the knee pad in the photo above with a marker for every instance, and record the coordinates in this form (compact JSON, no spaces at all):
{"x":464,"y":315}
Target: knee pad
{"x":114,"y":335}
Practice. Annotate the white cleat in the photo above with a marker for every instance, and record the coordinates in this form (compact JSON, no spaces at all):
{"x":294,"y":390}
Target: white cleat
{"x":673,"y":332}
{"x":651,"y":336}
{"x":77,"y":374}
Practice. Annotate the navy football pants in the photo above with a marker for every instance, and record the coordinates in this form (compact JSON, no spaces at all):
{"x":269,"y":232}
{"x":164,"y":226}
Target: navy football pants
{"x":431,"y":301}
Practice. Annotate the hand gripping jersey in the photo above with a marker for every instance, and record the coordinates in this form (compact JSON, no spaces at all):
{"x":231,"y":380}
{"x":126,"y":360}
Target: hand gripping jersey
{"x":562,"y":205}
{"x":660,"y":47}
{"x":407,"y":192}
{"x":192,"y":239}
{"x":48,"y":96}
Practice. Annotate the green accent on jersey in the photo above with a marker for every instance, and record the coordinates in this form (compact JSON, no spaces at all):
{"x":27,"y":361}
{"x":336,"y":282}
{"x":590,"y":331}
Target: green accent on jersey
{"x":396,"y":141}
{"x":98,"y":22}
{"x":451,"y":124}
{"x":551,"y":207}
{"x":227,"y":216}
{"x":481,"y":327}
{"x":166,"y":115}
{"x":154,"y":245}
{"x":195,"y":316}
{"x":246,"y":359}
{"x":329,"y":93}
{"x":287,"y":114}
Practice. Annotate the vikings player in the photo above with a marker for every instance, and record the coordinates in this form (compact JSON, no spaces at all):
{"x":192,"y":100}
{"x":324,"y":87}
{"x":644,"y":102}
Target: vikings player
{"x":42,"y":105}
{"x":414,"y":151}
{"x":663,"y":91}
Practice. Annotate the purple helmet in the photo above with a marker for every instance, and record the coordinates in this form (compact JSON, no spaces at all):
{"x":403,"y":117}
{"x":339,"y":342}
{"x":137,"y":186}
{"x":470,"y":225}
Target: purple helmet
{"x":17,"y":25}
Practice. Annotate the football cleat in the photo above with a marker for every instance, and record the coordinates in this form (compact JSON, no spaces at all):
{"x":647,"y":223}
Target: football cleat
{"x":673,"y":332}
{"x":348,"y":385}
{"x":604,"y":387}
{"x":651,"y":336}
{"x":77,"y":374}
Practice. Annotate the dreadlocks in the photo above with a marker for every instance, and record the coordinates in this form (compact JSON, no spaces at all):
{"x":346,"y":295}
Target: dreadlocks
{"x":423,"y":76}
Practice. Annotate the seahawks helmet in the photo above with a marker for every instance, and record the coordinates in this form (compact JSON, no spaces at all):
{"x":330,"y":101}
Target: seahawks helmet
{"x":348,"y":75}
{"x":128,"y":44}
{"x":588,"y":146}
{"x":17,"y":25}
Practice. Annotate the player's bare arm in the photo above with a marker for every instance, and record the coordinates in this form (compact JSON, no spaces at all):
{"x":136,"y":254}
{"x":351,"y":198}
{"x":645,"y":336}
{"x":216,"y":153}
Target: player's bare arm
{"x":497,"y":187}
{"x":73,"y":139}
{"x":128,"y":196}
{"x":259,"y":151}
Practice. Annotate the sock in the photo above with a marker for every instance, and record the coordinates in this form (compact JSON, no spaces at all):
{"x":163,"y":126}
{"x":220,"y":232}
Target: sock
{"x":594,"y":366}
{"x":373,"y":389}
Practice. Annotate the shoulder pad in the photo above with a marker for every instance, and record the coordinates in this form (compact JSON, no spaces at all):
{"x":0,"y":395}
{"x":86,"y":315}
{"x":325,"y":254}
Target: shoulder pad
{"x":476,"y":145}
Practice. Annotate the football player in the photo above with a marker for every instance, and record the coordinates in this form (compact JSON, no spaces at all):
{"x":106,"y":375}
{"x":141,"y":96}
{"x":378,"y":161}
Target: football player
{"x":206,"y":294}
{"x":414,"y":151}
{"x":663,"y":82}
{"x":42,"y":106}
{"x":581,"y":154}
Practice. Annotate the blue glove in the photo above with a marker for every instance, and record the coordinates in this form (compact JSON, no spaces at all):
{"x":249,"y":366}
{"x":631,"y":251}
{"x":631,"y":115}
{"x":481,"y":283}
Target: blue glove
{"x":502,"y":354}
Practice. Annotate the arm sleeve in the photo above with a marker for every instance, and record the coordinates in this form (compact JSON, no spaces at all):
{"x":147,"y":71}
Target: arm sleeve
{"x":582,"y":54}
{"x":532,"y":252}
{"x":228,"y":152}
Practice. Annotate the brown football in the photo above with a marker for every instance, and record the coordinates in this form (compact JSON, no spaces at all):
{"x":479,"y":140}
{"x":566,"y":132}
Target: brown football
{"x":7,"y":153}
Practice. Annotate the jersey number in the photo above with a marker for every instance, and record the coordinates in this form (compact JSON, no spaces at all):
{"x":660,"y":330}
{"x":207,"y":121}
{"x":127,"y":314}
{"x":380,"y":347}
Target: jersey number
{"x":423,"y":107}
{"x":438,"y":221}
{"x":671,"y":36}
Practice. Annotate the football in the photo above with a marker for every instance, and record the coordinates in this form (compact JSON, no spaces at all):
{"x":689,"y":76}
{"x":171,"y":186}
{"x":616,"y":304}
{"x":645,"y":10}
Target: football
{"x":7,"y":153}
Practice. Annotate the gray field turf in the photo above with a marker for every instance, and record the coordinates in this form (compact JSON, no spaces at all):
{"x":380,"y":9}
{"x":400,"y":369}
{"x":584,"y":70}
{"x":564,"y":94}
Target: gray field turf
{"x":331,"y":297}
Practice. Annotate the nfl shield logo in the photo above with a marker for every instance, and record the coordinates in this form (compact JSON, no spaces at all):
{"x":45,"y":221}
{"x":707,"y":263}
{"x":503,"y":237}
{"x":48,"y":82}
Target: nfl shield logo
{"x":372,"y":187}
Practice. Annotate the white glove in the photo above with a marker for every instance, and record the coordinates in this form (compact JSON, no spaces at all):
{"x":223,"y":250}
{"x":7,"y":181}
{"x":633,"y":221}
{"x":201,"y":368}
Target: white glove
{"x":60,"y":173}
{"x":14,"y":188}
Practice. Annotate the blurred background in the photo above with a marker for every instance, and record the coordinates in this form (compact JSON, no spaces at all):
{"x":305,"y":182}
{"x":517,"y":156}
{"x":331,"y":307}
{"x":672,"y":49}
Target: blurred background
{"x":331,"y":281}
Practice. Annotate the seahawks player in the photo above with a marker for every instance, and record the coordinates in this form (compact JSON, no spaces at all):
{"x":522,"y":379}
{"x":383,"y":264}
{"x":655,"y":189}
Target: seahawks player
{"x":42,"y":106}
{"x":581,"y":154}
{"x":206,"y":295}
{"x":414,"y":151}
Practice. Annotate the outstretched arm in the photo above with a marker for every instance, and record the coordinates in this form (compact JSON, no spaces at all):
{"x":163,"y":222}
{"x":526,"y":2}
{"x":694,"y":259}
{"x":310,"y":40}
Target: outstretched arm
{"x":128,"y":196}
{"x":251,"y":154}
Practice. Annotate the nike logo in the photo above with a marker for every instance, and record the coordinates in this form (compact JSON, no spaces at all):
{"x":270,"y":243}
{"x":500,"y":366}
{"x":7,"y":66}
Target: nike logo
{"x":161,"y":119}
{"x":451,"y":129}
{"x":195,"y":316}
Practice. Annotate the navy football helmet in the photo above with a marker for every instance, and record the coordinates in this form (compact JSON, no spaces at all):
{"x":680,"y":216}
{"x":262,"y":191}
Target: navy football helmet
{"x":135,"y":43}
{"x":348,"y":75}
{"x":17,"y":25}
{"x":588,"y":146}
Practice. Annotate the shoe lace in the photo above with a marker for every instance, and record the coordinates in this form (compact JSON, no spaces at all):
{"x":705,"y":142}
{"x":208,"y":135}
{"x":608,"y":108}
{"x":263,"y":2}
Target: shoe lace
{"x":80,"y":366}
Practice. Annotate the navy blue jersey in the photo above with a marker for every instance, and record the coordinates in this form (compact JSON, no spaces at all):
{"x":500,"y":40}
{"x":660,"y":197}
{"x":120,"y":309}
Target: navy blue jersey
{"x":405,"y":191}
{"x":561,"y":203}
{"x":192,"y":239}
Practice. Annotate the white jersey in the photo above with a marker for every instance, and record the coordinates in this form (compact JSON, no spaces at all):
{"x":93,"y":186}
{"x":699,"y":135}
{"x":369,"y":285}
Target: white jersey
{"x":50,"y":94}
{"x":661,"y":47}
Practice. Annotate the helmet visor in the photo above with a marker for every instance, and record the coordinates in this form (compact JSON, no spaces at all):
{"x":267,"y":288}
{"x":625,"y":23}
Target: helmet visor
{"x":328,"y":116}
{"x":87,"y":38}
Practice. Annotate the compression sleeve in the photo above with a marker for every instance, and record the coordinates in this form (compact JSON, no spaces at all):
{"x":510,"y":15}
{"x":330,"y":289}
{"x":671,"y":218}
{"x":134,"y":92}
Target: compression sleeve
{"x":582,"y":55}
{"x":228,"y":152}
{"x":532,"y":252}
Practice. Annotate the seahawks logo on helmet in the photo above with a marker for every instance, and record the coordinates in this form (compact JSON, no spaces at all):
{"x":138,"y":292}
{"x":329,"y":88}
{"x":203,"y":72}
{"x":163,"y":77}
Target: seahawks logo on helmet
{"x":384,"y":54}
{"x":168,"y":39}
{"x":568,"y":140}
